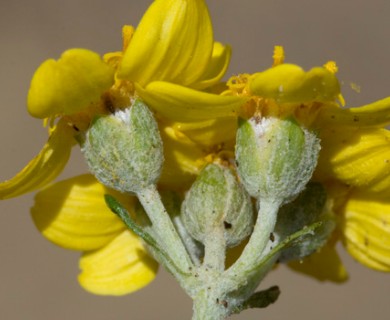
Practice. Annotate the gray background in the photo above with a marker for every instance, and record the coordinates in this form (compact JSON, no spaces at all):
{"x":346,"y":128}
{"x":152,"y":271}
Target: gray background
{"x":38,"y":280}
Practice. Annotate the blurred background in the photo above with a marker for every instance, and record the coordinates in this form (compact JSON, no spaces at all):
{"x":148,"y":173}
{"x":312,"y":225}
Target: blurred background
{"x":39,"y":280}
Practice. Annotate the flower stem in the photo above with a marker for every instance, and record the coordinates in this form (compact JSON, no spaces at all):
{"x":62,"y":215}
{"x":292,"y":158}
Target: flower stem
{"x":215,"y":249}
{"x":208,"y":307}
{"x":253,"y":251}
{"x":163,"y":226}
{"x":191,"y":246}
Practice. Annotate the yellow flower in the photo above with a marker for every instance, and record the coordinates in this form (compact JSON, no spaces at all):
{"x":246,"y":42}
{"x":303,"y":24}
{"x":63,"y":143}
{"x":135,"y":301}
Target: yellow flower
{"x":172,"y":62}
{"x":365,"y":224}
{"x":72,"y":214}
{"x":354,"y":162}
{"x":166,"y":61}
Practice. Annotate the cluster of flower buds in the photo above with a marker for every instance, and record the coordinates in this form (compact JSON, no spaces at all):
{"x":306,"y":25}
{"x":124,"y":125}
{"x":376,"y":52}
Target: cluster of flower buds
{"x":275,"y":159}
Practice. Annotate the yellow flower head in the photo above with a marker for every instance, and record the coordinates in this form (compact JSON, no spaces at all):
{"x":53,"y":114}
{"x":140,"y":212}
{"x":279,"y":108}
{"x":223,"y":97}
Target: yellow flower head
{"x":69,"y":85}
{"x":354,"y":157}
{"x":166,"y":61}
{"x":72,"y":214}
{"x":171,"y":62}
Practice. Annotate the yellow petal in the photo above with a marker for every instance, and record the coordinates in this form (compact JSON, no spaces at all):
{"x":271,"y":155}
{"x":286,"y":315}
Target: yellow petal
{"x":73,"y":214}
{"x":121,"y":267}
{"x":113,"y":58}
{"x":290,"y":83}
{"x":356,"y":157}
{"x":376,"y":114}
{"x":173,"y":43}
{"x":127,"y":35}
{"x":324,"y":265}
{"x":45,"y":167}
{"x":208,"y":133}
{"x":68,"y":85}
{"x":182,"y":160}
{"x":216,"y":68}
{"x":182,"y":104}
{"x":366,"y":228}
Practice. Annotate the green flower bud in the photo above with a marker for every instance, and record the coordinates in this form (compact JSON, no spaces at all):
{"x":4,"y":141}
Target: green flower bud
{"x":217,"y":200}
{"x":124,"y":150}
{"x":305,"y":210}
{"x":275,"y":158}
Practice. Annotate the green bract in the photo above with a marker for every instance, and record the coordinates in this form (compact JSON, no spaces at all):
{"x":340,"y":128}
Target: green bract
{"x":216,"y":200}
{"x":124,"y":150}
{"x":305,"y":210}
{"x":275,"y":157}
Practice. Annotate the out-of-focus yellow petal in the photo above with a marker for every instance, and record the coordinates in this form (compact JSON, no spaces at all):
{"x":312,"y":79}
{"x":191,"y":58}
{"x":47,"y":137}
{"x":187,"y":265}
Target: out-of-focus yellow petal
{"x":45,"y":167}
{"x":127,"y":35}
{"x":209,"y":132}
{"x":113,"y":58}
{"x":356,"y":157}
{"x":121,"y":267}
{"x":173,"y":43}
{"x":366,"y":229}
{"x":290,"y":83}
{"x":73,"y":214}
{"x":324,"y":265}
{"x":183,"y":160}
{"x":376,"y":114}
{"x":68,"y":85}
{"x":216,"y":68}
{"x":182,"y":104}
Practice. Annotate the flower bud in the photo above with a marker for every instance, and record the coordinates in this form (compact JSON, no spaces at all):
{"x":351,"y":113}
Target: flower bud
{"x":305,"y":210}
{"x":124,"y":150}
{"x":275,"y":157}
{"x":216,"y":200}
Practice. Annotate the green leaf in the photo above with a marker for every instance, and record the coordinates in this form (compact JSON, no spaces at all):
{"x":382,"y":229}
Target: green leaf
{"x":119,"y":210}
{"x":261,"y":299}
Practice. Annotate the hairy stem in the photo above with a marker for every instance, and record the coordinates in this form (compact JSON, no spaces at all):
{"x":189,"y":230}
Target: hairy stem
{"x":252,"y":253}
{"x":163,"y":226}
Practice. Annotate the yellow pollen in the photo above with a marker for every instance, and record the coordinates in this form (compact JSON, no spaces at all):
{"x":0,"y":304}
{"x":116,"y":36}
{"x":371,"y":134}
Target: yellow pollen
{"x":127,"y":34}
{"x":222,"y":157}
{"x":238,"y":84}
{"x":331,"y":66}
{"x":341,"y":99}
{"x":50,"y":123}
{"x":278,"y":55}
{"x":355,"y":87}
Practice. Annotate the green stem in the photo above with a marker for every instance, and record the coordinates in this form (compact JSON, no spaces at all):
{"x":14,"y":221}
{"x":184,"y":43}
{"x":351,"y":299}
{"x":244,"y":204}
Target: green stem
{"x":207,"y":306}
{"x":164,"y":257}
{"x":252,"y":254}
{"x":215,"y":250}
{"x":163,"y":226}
{"x":193,"y":249}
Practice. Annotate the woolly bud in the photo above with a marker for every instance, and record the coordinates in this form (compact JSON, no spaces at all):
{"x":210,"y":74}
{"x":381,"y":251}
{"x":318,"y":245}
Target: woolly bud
{"x":275,"y":157}
{"x":124,"y":150}
{"x":216,"y":200}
